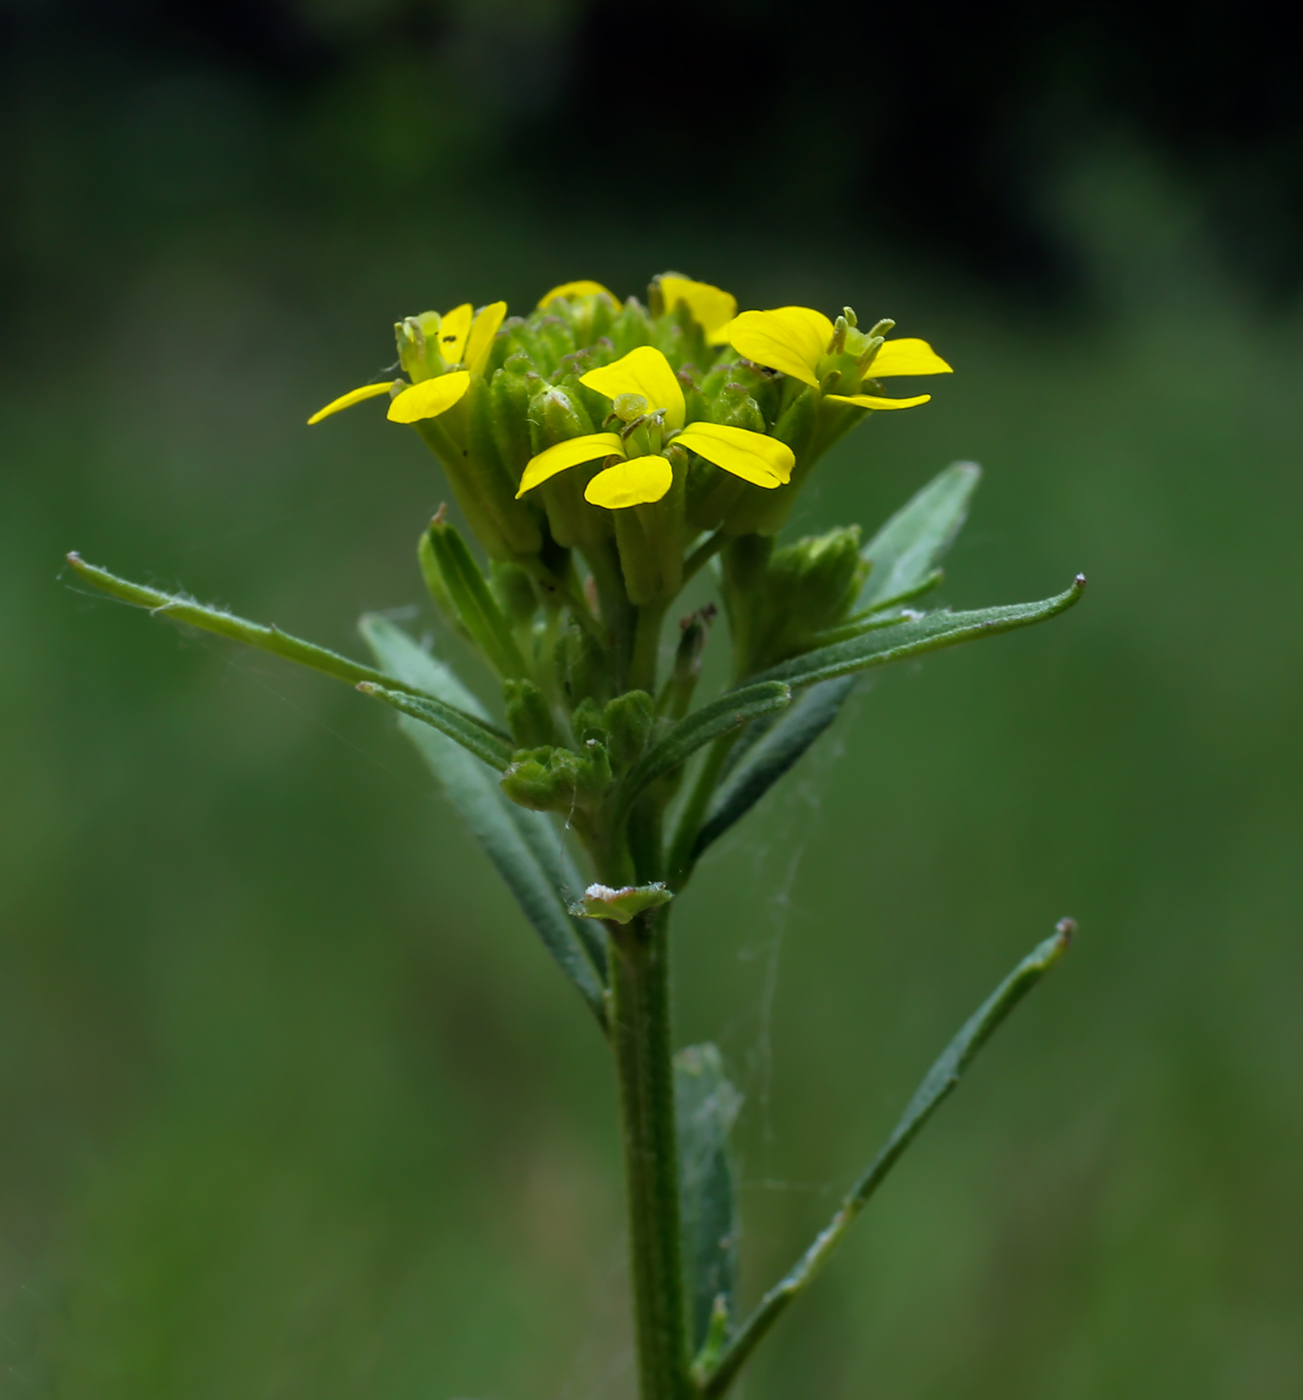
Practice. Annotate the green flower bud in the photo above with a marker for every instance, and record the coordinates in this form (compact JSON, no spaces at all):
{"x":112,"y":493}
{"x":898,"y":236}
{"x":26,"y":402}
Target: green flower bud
{"x":583,"y":667}
{"x":628,"y":721}
{"x":559,"y":780}
{"x":528,"y":714}
{"x":555,"y":339}
{"x":778,"y":600}
{"x":735,"y":408}
{"x":513,"y":587}
{"x":462,"y":583}
{"x":438,"y":591}
{"x":631,"y":328}
{"x":510,"y":392}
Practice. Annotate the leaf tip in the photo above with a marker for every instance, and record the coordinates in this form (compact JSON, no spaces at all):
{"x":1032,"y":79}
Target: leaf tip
{"x":1067,"y":931}
{"x":1079,"y":583}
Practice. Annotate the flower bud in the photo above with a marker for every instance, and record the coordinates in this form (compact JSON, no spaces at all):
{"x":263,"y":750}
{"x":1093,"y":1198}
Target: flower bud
{"x":628,"y":720}
{"x":528,"y":714}
{"x":631,"y":328}
{"x":583,"y":667}
{"x":510,"y":391}
{"x":549,"y":779}
{"x":460,"y":580}
{"x":513,"y":588}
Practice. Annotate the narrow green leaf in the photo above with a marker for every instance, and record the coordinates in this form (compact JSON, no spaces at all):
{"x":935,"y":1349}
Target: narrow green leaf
{"x":730,"y":711}
{"x":904,"y":553}
{"x":186,"y":611}
{"x":937,"y":1085}
{"x":931,"y":632}
{"x":706,"y":1105}
{"x":772,"y":753}
{"x":473,"y":734}
{"x":523,"y":845}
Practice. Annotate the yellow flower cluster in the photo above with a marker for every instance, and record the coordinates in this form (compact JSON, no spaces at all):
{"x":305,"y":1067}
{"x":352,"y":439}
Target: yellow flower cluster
{"x":649,"y":415}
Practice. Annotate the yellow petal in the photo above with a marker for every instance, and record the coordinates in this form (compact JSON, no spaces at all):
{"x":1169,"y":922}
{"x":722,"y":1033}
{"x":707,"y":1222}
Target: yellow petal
{"x":479,"y":344}
{"x":869,"y":401}
{"x":453,"y":327}
{"x":429,"y":398}
{"x":792,"y":339}
{"x":761,"y":460}
{"x":642,"y":371}
{"x":573,"y":289}
{"x":568,"y":454}
{"x":636,"y":482}
{"x":367,"y":391}
{"x":906,"y":357}
{"x":711,"y":307}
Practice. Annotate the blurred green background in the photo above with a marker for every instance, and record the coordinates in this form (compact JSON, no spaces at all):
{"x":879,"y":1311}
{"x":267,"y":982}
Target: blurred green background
{"x":293,"y":1104}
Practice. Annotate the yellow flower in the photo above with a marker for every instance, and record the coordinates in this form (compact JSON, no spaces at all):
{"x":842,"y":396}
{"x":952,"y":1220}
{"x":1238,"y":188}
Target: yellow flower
{"x":646,"y":394}
{"x":464,"y":338}
{"x":799,"y":342}
{"x":570,"y":290}
{"x":712,"y":307}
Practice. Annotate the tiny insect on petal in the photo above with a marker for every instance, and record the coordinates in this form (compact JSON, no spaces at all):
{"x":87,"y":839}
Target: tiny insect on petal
{"x":570,"y":453}
{"x":367,"y":391}
{"x":453,"y":329}
{"x":636,"y":482}
{"x":429,"y":398}
{"x":761,"y":460}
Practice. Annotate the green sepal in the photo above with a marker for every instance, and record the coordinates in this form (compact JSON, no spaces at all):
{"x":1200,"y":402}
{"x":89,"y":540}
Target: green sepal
{"x":622,"y":905}
{"x":529,"y":716}
{"x":510,"y":392}
{"x":763,"y":511}
{"x":651,"y":538}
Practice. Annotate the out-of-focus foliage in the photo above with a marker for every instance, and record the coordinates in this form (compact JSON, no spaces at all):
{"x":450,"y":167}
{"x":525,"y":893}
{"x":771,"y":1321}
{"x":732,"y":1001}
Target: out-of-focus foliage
{"x":294,"y":1104}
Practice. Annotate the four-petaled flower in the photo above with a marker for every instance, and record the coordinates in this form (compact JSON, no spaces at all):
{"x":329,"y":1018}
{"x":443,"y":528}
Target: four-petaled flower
{"x":463,"y":340}
{"x":647,"y":397}
{"x":808,"y":346}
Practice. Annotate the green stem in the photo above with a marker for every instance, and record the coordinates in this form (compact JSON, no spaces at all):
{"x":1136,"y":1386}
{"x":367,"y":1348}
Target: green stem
{"x":703,"y":553}
{"x":646,"y":647}
{"x":640,"y":1037}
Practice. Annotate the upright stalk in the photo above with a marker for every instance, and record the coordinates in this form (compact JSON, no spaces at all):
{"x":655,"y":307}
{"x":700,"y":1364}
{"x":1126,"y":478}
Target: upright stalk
{"x":640,"y":1036}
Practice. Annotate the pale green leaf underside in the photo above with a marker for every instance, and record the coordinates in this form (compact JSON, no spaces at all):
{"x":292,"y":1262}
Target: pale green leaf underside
{"x":706,"y":1105}
{"x":523,"y":845}
{"x":905,"y":552}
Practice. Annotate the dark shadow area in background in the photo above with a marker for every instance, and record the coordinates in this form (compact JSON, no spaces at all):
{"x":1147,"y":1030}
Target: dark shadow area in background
{"x":929,"y":130}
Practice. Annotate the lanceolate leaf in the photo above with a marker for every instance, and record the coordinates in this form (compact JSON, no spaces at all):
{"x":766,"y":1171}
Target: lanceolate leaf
{"x":939,"y":1082}
{"x":706,"y":1105}
{"x":904,"y":553}
{"x":770,"y":755}
{"x":931,"y":632}
{"x":471,"y":733}
{"x":730,"y":711}
{"x":523,"y":845}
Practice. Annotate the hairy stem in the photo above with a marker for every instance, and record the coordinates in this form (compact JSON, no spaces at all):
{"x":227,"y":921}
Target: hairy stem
{"x":640,"y":1037}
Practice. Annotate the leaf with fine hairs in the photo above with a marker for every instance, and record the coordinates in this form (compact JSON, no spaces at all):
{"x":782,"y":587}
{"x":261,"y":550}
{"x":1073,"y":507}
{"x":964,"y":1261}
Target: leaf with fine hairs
{"x":523,"y":845}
